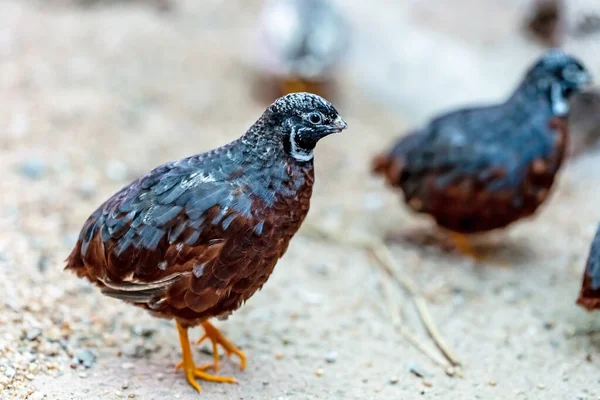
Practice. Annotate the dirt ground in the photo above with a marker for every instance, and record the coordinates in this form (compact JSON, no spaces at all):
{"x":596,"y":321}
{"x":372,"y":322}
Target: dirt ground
{"x":93,"y":96}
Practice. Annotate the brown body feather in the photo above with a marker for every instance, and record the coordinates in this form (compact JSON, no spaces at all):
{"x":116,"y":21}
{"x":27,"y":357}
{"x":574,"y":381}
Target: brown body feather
{"x":589,"y":296}
{"x":212,"y":277}
{"x":467,"y":205}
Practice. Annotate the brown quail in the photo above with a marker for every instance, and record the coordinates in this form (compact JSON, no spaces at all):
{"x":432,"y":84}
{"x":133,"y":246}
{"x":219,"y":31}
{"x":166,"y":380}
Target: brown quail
{"x":482,"y":168}
{"x":194,"y":239}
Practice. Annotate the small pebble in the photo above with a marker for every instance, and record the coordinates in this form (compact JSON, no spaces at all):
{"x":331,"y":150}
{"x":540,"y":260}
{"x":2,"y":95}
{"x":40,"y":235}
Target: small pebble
{"x":10,"y":372}
{"x":116,"y":171}
{"x":33,"y":334}
{"x":286,"y":340}
{"x":279,"y":356}
{"x":319,"y":372}
{"x":143,"y":331}
{"x":541,"y":386}
{"x":86,"y":190}
{"x":415,"y":369}
{"x":118,"y":394}
{"x":331,"y":357}
{"x":492,"y":383}
{"x":322,"y":269}
{"x":131,"y":395}
{"x":83,"y":375}
{"x":127,"y":365}
{"x":570,"y":331}
{"x":394,"y":380}
{"x":427,"y":383}
{"x":133,"y":350}
{"x":36,"y":396}
{"x":85,"y":357}
{"x":125,"y":385}
{"x":43,"y":263}
{"x":33,"y":168}
{"x":549,"y":325}
{"x":265,"y":383}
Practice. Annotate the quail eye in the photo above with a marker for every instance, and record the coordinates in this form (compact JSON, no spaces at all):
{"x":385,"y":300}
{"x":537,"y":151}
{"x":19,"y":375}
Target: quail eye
{"x":315,"y":118}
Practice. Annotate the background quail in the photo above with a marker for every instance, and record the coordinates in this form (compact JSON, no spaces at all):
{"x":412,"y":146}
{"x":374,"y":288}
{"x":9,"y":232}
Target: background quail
{"x":589,"y":297}
{"x":482,"y":168}
{"x":301,"y":42}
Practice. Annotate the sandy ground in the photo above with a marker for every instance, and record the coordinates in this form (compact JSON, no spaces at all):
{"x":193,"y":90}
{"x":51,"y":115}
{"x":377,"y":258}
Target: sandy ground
{"x":93,"y":97}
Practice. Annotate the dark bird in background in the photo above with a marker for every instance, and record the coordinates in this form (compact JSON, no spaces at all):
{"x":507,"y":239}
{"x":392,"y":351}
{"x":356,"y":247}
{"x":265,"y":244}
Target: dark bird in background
{"x":482,"y":168}
{"x":589,"y":297}
{"x":584,"y":121}
{"x":301,"y":44}
{"x":546,"y":21}
{"x":195,"y":238}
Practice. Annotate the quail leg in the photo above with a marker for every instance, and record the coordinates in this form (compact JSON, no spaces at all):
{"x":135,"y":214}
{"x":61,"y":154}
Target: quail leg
{"x":217,"y":338}
{"x":292,"y":85}
{"x":191,"y":371}
{"x":464,"y":246}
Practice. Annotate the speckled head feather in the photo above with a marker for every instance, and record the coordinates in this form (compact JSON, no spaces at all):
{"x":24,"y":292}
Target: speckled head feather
{"x":560,"y":75}
{"x":302,"y":102}
{"x":300,"y":120}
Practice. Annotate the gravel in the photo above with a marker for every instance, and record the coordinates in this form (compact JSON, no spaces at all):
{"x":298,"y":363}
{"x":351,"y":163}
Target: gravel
{"x":66,"y":73}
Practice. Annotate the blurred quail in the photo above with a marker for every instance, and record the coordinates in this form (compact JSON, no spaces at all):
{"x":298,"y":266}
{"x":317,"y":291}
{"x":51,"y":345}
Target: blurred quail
{"x":546,"y":21}
{"x":482,"y":168}
{"x":301,"y":43}
{"x":195,"y":238}
{"x":589,"y":297}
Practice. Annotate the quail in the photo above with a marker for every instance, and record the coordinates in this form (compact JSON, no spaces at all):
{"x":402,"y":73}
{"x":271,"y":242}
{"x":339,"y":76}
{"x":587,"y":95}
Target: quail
{"x":301,"y":43}
{"x":194,"y":239}
{"x":589,"y":297}
{"x":546,"y":21}
{"x":481,"y":168}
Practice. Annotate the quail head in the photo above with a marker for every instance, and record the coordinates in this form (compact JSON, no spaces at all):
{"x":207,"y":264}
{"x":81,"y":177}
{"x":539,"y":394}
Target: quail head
{"x":481,"y":168}
{"x":301,"y":43}
{"x":195,"y":238}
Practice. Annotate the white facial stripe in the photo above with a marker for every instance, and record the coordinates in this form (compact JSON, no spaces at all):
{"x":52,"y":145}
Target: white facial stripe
{"x":560,"y":106}
{"x":297,"y":153}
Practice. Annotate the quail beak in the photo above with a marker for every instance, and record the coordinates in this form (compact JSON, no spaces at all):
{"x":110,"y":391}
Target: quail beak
{"x":338,"y":125}
{"x":584,"y":79}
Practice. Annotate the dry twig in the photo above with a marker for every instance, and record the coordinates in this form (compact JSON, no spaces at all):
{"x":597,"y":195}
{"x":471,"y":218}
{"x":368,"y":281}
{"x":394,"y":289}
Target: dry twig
{"x":386,"y":262}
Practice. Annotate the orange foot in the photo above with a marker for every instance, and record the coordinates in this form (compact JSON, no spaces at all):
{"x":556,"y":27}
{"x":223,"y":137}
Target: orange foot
{"x":464,"y":246}
{"x":191,"y":371}
{"x":292,"y":85}
{"x":217,"y":338}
